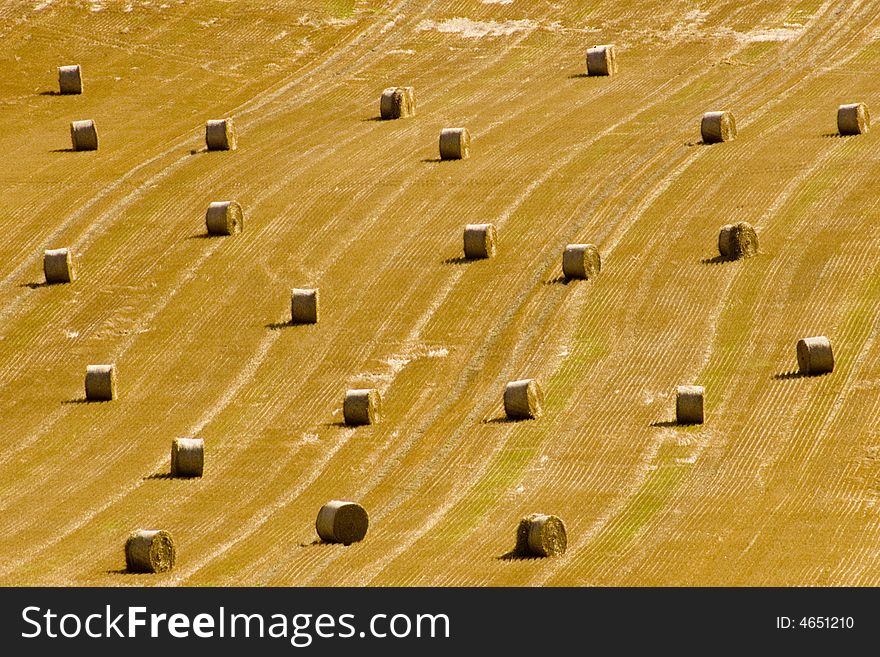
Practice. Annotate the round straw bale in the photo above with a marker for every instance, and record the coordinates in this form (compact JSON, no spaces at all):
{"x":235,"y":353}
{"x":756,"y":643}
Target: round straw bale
{"x":581,"y":261}
{"x":397,"y":103}
{"x":601,"y":60}
{"x":187,"y":457}
{"x":342,"y":522}
{"x":70,"y":79}
{"x":361,"y":406}
{"x":58,"y":266}
{"x":814,"y":355}
{"x":455,"y":144}
{"x":84,"y":135}
{"x":220,"y":135}
{"x":853,"y":119}
{"x":224,"y":218}
{"x":149,"y":551}
{"x":737,"y":241}
{"x":540,"y":535}
{"x":689,"y":405}
{"x":523,"y":399}
{"x":101,"y":382}
{"x":479,"y":241}
{"x":303,"y":306}
{"x":717,"y":127}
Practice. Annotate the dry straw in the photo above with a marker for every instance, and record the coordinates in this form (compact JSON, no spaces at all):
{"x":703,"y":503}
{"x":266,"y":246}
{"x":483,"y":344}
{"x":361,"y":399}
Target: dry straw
{"x":479,"y":241}
{"x":397,"y":103}
{"x":737,"y":241}
{"x":581,"y":261}
{"x":689,"y":404}
{"x":70,"y":80}
{"x":523,"y":399}
{"x":540,"y":535}
{"x":455,"y":144}
{"x":224,"y":218}
{"x":717,"y":127}
{"x":814,"y":355}
{"x":853,"y":119}
{"x":187,"y":457}
{"x":84,"y":135}
{"x":149,"y":551}
{"x":303,"y":306}
{"x":361,"y":406}
{"x":58,"y":266}
{"x":342,"y":522}
{"x":220,"y":135}
{"x":101,"y":382}
{"x":601,"y":60}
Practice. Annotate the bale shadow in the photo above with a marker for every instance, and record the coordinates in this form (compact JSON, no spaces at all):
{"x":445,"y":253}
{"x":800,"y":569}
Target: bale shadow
{"x":578,"y":76}
{"x":277,"y":326}
{"x":717,"y":260}
{"x":666,"y":423}
{"x":82,"y":400}
{"x":120,"y":571}
{"x":163,"y":475}
{"x":559,"y":280}
{"x":374,"y":119}
{"x":64,"y":150}
{"x":794,"y":374}
{"x":319,"y":543}
{"x":35,"y":286}
{"x":337,"y":424}
{"x":832,"y":135}
{"x":204,"y":236}
{"x":435,"y":160}
{"x":459,"y":260}
{"x":50,"y":92}
{"x":515,"y":555}
{"x":197,"y":151}
{"x":505,"y":420}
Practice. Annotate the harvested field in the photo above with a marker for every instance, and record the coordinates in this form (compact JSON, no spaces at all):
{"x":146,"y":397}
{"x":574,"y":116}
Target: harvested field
{"x":777,"y":487}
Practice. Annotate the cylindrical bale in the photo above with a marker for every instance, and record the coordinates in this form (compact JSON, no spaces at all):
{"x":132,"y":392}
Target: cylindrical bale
{"x":220,"y":135}
{"x":455,"y":144}
{"x":70,"y":79}
{"x":84,"y":135}
{"x":853,"y":119}
{"x":303,"y":306}
{"x":58,"y":266}
{"x":737,"y":241}
{"x":814,"y":355}
{"x":479,"y":241}
{"x":101,"y":382}
{"x":523,"y":399}
{"x":540,"y":535}
{"x":224,"y":218}
{"x":187,"y":457}
{"x":717,"y":127}
{"x":342,"y":522}
{"x":601,"y":60}
{"x":149,"y":551}
{"x":581,"y":261}
{"x":361,"y":406}
{"x":689,"y":404}
{"x":397,"y":103}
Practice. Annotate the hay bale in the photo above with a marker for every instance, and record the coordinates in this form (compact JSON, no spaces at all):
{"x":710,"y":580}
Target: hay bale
{"x":187,"y":457}
{"x":455,"y":144}
{"x":224,"y":218}
{"x":540,"y":535}
{"x":101,"y":382}
{"x":814,"y":355}
{"x":149,"y":551}
{"x":737,"y":241}
{"x":523,"y":399}
{"x":84,"y":135}
{"x":58,"y":266}
{"x":479,"y":241}
{"x":689,"y":404}
{"x":853,"y":119}
{"x":303,"y":306}
{"x":581,"y":261}
{"x":601,"y":60}
{"x":361,"y":406}
{"x":220,"y":135}
{"x":342,"y":522}
{"x":397,"y":103}
{"x":717,"y":127}
{"x":70,"y":80}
